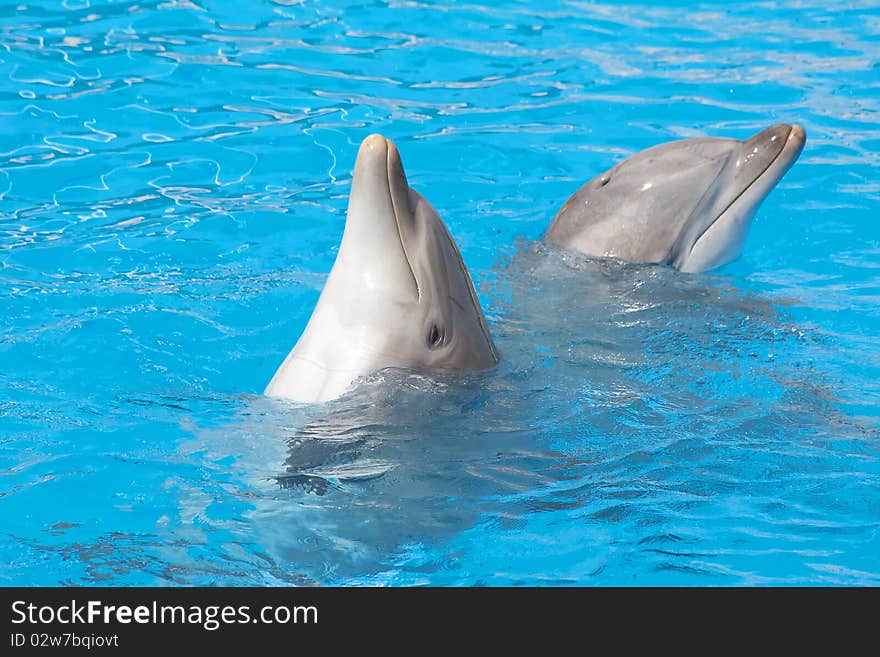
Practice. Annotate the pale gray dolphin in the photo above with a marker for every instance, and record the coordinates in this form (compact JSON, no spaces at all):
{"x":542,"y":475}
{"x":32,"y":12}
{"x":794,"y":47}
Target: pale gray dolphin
{"x":685,"y":203}
{"x":398,"y":294}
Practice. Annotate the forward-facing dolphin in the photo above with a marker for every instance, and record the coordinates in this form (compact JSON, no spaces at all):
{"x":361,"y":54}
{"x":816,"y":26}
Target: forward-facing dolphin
{"x":398,"y":294}
{"x":684,"y":203}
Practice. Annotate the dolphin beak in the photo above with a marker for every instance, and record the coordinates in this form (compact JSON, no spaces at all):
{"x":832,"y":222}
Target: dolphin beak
{"x":379,"y":161}
{"x":758,"y":164}
{"x":797,"y":137}
{"x":794,"y":144}
{"x":773,"y":150}
{"x":379,"y":217}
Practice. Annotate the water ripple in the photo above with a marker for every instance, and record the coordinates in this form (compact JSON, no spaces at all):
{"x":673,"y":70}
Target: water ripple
{"x":173,"y":183}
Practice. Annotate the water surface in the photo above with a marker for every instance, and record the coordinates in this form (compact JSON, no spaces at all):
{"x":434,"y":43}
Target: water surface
{"x":173,"y":184}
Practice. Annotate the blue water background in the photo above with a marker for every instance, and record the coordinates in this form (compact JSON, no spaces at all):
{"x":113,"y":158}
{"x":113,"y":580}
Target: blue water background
{"x":173,"y":185}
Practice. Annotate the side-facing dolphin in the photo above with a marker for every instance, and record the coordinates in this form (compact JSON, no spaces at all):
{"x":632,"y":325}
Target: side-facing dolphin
{"x":684,"y":203}
{"x":398,"y":294}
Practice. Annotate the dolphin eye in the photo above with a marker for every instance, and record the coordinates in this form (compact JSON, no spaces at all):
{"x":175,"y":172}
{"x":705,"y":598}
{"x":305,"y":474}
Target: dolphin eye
{"x":435,"y":337}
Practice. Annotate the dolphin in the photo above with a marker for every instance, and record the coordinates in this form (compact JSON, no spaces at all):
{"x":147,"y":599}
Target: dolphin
{"x":398,"y":294}
{"x":685,"y":203}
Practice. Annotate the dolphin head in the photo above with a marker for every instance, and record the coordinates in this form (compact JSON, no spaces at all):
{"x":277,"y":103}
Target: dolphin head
{"x":686,"y":203}
{"x":398,"y":294}
{"x":717,"y":228}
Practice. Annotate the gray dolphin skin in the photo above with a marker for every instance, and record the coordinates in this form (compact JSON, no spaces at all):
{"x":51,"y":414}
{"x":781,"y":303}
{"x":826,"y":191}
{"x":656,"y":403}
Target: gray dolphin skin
{"x":685,"y":203}
{"x":398,"y":294}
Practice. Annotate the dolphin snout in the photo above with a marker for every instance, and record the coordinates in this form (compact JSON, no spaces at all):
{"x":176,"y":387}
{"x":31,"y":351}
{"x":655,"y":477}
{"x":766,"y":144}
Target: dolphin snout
{"x":379,"y":225}
{"x":770,"y":140}
{"x":780,"y":139}
{"x":797,"y":137}
{"x":378,"y":161}
{"x":372,"y":154}
{"x":374,"y":141}
{"x":767,"y":155}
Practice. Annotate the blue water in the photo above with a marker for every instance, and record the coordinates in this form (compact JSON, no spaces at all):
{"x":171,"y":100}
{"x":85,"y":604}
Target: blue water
{"x":173,"y":184}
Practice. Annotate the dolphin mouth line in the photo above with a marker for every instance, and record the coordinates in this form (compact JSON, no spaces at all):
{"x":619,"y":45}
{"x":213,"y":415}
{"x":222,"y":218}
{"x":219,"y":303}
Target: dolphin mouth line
{"x":397,"y":220}
{"x":745,"y":188}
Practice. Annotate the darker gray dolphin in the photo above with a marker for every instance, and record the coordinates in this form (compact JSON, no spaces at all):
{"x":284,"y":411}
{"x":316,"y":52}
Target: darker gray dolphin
{"x":685,"y":203}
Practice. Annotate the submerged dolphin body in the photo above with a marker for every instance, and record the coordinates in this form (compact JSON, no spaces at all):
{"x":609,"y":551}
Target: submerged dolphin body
{"x":398,"y":294}
{"x":685,"y":203}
